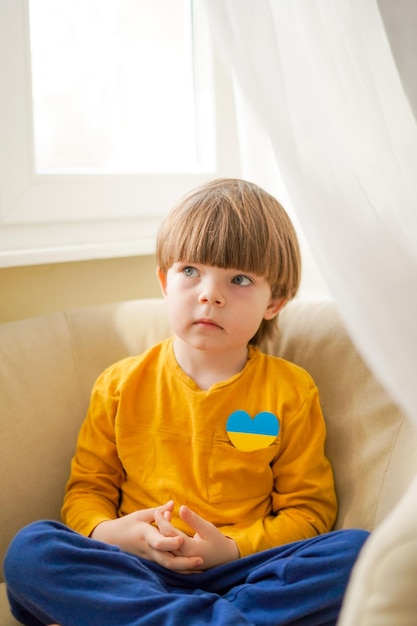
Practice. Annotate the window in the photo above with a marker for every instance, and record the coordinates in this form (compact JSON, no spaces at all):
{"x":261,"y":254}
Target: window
{"x":118,"y":93}
{"x":110,"y":111}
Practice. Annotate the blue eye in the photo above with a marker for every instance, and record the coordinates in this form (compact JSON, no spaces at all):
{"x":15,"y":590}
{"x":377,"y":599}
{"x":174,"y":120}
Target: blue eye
{"x":241,"y":280}
{"x":190,"y":271}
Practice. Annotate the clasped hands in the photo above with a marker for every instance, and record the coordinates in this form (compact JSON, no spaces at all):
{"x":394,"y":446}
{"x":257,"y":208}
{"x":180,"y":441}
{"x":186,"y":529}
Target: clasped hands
{"x":151,"y":535}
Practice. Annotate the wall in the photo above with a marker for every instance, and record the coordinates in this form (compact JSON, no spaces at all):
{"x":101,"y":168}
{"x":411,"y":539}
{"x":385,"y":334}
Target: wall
{"x":39,"y":289}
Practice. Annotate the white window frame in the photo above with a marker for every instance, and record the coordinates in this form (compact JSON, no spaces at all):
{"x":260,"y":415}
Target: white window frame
{"x":56,"y":218}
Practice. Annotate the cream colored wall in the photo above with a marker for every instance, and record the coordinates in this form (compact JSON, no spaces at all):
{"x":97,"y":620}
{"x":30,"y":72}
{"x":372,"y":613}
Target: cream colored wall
{"x":40,"y":289}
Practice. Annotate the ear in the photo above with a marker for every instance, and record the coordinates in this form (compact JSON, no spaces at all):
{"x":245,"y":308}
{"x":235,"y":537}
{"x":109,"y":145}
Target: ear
{"x":274,"y":307}
{"x":162,"y":279}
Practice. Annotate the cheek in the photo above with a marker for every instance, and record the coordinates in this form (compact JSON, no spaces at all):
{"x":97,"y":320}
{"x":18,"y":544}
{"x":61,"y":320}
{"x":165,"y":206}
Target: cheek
{"x":258,"y":313}
{"x":249,"y":319}
{"x":174,"y":318}
{"x":177,"y":308}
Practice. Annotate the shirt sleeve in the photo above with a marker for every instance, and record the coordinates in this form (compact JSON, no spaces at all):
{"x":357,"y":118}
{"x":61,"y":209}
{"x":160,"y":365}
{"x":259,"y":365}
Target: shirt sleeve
{"x":303,"y":498}
{"x":92,"y":492}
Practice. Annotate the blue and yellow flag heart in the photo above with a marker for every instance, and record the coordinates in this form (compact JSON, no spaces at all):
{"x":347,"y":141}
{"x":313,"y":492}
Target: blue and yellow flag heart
{"x":252,"y":433}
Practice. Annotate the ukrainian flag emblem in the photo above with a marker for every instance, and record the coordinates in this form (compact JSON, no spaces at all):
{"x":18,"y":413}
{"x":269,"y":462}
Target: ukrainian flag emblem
{"x":252,"y":433}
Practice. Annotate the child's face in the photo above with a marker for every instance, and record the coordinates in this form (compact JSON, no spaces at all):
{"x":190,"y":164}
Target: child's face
{"x":212,"y":308}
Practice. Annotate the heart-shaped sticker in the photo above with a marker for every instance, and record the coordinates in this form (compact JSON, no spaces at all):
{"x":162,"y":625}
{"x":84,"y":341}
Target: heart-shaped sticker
{"x":252,"y":433}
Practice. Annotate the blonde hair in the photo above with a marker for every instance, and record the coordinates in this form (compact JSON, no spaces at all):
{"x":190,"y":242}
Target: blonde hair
{"x":231,"y":223}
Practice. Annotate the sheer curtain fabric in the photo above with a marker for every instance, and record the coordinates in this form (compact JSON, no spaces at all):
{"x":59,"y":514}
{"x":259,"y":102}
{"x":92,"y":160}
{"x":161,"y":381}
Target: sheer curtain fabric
{"x":320,"y":78}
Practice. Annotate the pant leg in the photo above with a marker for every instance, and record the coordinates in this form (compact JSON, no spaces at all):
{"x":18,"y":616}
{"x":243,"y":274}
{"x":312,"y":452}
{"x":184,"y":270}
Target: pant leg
{"x":56,"y":575}
{"x":301,"y":584}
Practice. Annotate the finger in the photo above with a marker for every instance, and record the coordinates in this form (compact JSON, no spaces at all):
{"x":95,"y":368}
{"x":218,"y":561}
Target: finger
{"x":168,"y":507}
{"x":161,"y":543}
{"x":147,"y":515}
{"x":165,"y":526}
{"x":181,"y":564}
{"x":195,"y":521}
{"x":165,"y":509}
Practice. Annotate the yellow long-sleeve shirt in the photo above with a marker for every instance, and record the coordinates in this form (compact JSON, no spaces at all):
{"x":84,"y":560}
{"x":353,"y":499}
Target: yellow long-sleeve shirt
{"x":152,"y":435}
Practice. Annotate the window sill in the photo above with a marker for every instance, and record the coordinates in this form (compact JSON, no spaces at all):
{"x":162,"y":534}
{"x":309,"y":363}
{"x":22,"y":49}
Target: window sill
{"x":62,"y":253}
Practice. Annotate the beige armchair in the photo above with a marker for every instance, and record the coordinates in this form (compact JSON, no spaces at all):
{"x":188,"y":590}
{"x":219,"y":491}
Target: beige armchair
{"x":47,"y":368}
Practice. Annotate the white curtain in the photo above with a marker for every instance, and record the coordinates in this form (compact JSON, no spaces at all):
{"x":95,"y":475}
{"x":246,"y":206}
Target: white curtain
{"x":320,"y":76}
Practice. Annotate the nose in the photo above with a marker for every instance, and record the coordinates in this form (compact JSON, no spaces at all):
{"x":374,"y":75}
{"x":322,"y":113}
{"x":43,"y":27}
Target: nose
{"x":211,"y":293}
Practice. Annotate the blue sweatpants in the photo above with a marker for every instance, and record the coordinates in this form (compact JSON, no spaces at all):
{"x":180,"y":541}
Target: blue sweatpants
{"x":56,"y":575}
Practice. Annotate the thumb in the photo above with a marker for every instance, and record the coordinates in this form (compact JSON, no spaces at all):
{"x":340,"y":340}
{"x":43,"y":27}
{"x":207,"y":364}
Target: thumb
{"x":168,"y":506}
{"x":147,"y":515}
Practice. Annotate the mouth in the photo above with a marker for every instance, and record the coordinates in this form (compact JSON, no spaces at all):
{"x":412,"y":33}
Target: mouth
{"x":207,"y":323}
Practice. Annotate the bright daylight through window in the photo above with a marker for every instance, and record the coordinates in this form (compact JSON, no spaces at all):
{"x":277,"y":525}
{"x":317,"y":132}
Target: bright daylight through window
{"x":114,"y":88}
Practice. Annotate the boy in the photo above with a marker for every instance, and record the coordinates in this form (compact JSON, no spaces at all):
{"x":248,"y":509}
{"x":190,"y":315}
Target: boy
{"x":199,"y":491}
